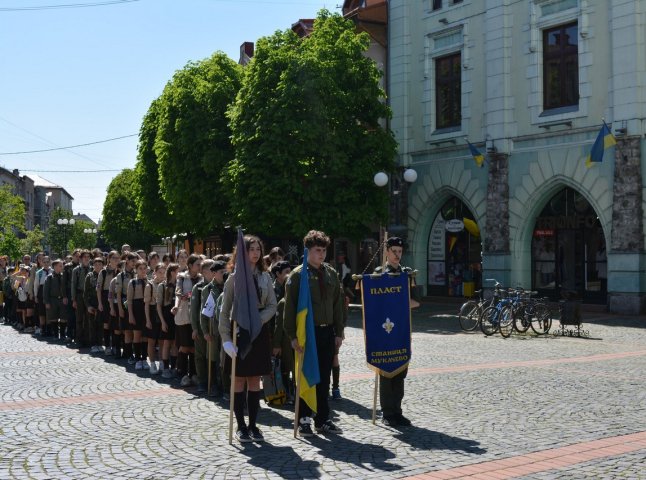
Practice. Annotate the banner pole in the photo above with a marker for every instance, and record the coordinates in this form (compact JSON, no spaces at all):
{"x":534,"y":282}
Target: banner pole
{"x":374,"y":399}
{"x":298,"y":393}
{"x":233,"y":383}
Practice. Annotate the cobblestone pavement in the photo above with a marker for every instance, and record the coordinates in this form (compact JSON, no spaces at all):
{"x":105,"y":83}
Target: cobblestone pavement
{"x":482,"y":407}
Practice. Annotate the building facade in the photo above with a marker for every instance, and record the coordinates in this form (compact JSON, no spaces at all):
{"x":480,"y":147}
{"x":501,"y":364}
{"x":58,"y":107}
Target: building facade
{"x":528,"y":84}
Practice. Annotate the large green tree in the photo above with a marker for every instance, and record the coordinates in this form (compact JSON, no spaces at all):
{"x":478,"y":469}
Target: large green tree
{"x":120,"y":224}
{"x":307,"y":133}
{"x":33,"y":241}
{"x":193,"y":145}
{"x":58,"y":236}
{"x":12,"y":211}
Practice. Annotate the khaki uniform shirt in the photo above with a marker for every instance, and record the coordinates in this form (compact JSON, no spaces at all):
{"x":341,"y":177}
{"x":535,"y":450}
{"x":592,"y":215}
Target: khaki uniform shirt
{"x":327,"y":305}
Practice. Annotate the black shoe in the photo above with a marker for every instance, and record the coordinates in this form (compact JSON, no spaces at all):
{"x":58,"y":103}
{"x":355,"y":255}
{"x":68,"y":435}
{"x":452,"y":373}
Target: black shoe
{"x":242,"y":435}
{"x":403,"y":421}
{"x":201,"y":388}
{"x":328,"y":427}
{"x":305,"y":430}
{"x":389,"y":421}
{"x":226,"y":397}
{"x":255,"y":434}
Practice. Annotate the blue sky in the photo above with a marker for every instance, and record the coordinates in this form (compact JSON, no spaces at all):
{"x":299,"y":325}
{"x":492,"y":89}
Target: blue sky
{"x":76,"y":75}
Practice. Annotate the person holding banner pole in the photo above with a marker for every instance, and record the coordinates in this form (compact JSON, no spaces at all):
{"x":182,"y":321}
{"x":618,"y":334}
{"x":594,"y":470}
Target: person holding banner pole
{"x":249,"y":303}
{"x":327,"y":309}
{"x":391,"y":390}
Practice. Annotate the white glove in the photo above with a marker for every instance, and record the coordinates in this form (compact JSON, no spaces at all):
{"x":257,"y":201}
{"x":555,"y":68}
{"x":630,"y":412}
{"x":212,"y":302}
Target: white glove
{"x":230,"y":348}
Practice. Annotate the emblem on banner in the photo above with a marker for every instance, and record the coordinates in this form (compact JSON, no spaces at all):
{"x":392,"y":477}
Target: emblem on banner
{"x":388,"y":325}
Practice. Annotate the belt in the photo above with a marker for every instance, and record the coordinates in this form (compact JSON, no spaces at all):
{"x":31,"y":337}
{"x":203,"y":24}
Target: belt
{"x":324,"y":326}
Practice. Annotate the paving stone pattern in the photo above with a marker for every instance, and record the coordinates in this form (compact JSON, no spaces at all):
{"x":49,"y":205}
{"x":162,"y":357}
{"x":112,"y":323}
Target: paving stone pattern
{"x":473,"y":400}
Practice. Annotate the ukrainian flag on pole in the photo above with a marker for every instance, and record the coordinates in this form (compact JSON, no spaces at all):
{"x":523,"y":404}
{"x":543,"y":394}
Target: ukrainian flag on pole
{"x":475,"y":153}
{"x":605,"y":139}
{"x":309,"y":372}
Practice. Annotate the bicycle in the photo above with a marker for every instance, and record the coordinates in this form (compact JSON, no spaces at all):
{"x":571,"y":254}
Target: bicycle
{"x":470,"y":313}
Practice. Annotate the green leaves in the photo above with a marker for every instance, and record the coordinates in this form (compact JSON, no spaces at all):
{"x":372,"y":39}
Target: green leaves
{"x":307,"y":135}
{"x":12,"y":211}
{"x":120,"y":212}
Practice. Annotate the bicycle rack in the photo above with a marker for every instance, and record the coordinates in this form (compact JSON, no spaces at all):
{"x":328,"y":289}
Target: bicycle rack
{"x":570,"y":316}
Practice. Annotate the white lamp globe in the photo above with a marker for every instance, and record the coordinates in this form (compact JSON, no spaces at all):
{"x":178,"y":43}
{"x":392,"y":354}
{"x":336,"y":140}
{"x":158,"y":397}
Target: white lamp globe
{"x":410,"y":175}
{"x":72,"y":221}
{"x":59,"y":221}
{"x":380,"y":179}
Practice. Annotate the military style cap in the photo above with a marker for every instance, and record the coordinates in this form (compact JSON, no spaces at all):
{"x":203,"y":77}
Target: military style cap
{"x":394,"y":242}
{"x":218,"y":265}
{"x":280,"y":266}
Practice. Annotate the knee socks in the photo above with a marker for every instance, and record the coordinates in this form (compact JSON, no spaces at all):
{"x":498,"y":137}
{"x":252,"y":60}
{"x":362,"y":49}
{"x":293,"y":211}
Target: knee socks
{"x":137,"y":348}
{"x":106,"y":337}
{"x":182,"y":361}
{"x":238,"y":408}
{"x":190,"y":367}
{"x":144,"y":350}
{"x":336,"y":371}
{"x":173,"y":361}
{"x":253,"y":405}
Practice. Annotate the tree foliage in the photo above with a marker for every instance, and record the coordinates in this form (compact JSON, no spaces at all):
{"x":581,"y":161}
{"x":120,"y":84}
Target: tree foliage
{"x":10,"y":245}
{"x":120,"y":224}
{"x":33,"y":241}
{"x":152,"y":209}
{"x":192,"y":144}
{"x":307,"y":135}
{"x":12,"y":211}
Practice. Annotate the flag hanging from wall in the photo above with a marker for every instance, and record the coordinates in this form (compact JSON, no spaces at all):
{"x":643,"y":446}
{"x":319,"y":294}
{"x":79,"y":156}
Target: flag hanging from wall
{"x":605,"y":139}
{"x":475,"y":153}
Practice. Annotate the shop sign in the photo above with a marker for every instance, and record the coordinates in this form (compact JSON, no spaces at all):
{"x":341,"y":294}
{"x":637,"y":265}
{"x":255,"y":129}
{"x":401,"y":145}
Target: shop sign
{"x":436,"y":242}
{"x":544,"y":233}
{"x":454,"y":226}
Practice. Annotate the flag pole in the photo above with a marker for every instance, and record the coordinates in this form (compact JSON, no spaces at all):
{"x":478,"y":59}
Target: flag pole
{"x":298,"y":392}
{"x":233,"y":383}
{"x":374,"y":399}
{"x":208,"y":345}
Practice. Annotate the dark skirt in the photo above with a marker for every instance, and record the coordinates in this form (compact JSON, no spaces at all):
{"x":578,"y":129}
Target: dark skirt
{"x":153,"y":333}
{"x":184,"y":336}
{"x":258,"y":360}
{"x":139,"y":312}
{"x":170,"y":322}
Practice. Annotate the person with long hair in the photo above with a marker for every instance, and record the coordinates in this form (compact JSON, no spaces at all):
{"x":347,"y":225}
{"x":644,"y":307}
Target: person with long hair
{"x":183,"y":329}
{"x":153,"y":323}
{"x":137,"y":311}
{"x":165,"y":302}
{"x":257,"y":361}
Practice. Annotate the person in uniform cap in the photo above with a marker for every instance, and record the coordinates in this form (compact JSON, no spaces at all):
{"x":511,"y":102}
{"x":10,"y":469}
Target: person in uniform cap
{"x":209,"y":327}
{"x":196,"y":305}
{"x":391,"y":390}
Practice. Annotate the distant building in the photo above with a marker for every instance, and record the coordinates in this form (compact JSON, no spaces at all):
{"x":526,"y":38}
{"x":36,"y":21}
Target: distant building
{"x":246,"y":53}
{"x":81,"y":217}
{"x":303,"y":27}
{"x":24,"y":187}
{"x":48,"y":196}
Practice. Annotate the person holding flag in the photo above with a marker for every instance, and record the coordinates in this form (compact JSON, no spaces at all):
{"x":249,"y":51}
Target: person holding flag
{"x":315,"y":327}
{"x":248,"y":304}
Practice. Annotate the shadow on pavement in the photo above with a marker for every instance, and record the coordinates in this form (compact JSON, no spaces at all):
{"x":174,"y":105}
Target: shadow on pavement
{"x":424,"y":439}
{"x":283,"y":461}
{"x":365,"y":455}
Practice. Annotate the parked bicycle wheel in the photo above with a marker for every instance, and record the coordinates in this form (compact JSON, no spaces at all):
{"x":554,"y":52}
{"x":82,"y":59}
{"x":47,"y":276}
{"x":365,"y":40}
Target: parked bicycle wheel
{"x":522,"y":320}
{"x":469,"y":315}
{"x":506,"y":321}
{"x":542,"y":320}
{"x":489,"y":320}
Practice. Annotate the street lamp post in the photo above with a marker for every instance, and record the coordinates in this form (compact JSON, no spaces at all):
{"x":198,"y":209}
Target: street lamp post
{"x":89,"y":231}
{"x":65,"y":223}
{"x":398,"y":187}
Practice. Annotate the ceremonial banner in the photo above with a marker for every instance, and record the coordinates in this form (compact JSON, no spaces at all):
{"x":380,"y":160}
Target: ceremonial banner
{"x":387,"y":322}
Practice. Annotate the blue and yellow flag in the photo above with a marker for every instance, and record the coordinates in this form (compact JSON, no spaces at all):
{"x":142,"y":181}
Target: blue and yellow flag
{"x":605,"y":139}
{"x":475,"y":153}
{"x":309,"y":376}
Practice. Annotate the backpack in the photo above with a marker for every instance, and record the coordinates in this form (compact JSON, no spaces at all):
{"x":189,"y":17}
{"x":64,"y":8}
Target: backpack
{"x":272,"y":385}
{"x":21,"y":293}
